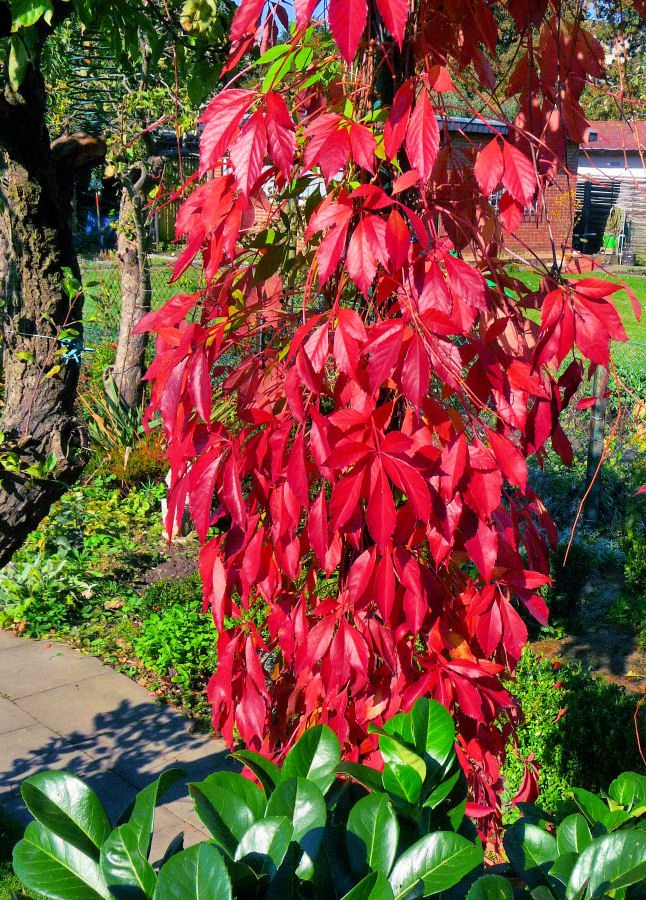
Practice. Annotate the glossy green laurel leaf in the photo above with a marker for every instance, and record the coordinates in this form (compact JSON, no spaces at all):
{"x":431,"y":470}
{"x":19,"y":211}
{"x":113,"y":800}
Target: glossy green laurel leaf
{"x":228,"y":804}
{"x":491,"y":887}
{"x":315,"y":756}
{"x":266,"y":771}
{"x":264,"y":845}
{"x":573,"y":835}
{"x":50,"y":865}
{"x":373,"y":887}
{"x":68,"y":807}
{"x":126,"y":870}
{"x":610,"y":862}
{"x":435,"y":863}
{"x":531,"y":852}
{"x":141,"y":812}
{"x":198,"y":873}
{"x":301,"y":802}
{"x":628,"y":789}
{"x":372,"y":835}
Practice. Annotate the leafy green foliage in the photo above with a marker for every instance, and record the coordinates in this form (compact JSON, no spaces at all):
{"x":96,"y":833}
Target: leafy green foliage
{"x":175,"y":638}
{"x":308,"y":831}
{"x":311,"y":831}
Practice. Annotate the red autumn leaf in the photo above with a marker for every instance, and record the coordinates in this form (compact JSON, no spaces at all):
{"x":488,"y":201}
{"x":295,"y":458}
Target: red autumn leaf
{"x":317,"y":528}
{"x":223,"y":117}
{"x":246,"y":20}
{"x":380,"y":514}
{"x":416,"y":371}
{"x":349,"y":658}
{"x":231,"y":492}
{"x":248,"y":152}
{"x":328,"y":145}
{"x":423,"y":136}
{"x":587,"y":403}
{"x":330,"y":251}
{"x":519,"y":176}
{"x":385,"y":587}
{"x":439,"y":80}
{"x":317,"y":347}
{"x":348,"y":334}
{"x":510,"y":211}
{"x":489,"y":167}
{"x":528,"y":790}
{"x":509,"y":458}
{"x":489,"y":629}
{"x":394,"y":13}
{"x":361,"y":260}
{"x":466,"y":282}
{"x":384,"y":342}
{"x":199,"y":385}
{"x":345,"y":499}
{"x":347,"y":21}
{"x":281,"y":139}
{"x":304,"y":11}
{"x":514,"y":630}
{"x":363,"y":146}
{"x":397,"y":122}
{"x":397,"y":240}
{"x":483,"y":549}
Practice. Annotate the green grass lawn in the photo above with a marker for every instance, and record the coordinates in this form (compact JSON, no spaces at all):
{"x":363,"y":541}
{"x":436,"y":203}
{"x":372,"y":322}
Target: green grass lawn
{"x":635,"y":330}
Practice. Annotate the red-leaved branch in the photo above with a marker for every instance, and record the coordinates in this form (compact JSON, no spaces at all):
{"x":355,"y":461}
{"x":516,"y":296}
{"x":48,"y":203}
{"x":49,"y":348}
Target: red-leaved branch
{"x":368,"y":532}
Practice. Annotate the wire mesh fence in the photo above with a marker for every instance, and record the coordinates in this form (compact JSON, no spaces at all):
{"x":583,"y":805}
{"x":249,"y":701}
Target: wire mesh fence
{"x":103,"y":296}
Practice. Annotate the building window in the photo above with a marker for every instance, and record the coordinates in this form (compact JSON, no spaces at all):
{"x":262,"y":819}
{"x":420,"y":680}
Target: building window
{"x":530,"y":214}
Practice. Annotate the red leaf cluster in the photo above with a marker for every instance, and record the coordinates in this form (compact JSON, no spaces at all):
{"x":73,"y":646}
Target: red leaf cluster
{"x":367,"y":523}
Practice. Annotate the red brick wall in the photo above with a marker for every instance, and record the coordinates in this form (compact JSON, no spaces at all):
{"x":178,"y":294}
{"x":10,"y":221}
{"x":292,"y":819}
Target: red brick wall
{"x":553,"y":219}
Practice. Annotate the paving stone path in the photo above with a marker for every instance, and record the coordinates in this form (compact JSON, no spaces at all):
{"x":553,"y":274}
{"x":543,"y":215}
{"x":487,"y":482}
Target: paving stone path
{"x":60,"y":709}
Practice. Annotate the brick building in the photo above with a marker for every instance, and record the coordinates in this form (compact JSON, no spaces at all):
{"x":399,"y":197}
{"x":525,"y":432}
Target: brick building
{"x":551,"y":216}
{"x":612,"y":176}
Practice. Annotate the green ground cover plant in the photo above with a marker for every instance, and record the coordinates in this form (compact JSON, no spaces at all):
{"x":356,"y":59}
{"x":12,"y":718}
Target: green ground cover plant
{"x":175,"y":638}
{"x":80,"y":561}
{"x":82,"y":577}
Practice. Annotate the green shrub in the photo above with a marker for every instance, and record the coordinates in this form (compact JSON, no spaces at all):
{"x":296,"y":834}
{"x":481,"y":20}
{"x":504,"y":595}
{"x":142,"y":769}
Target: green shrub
{"x":588,"y":746}
{"x":629,"y":609}
{"x":588,"y":558}
{"x":319,"y":828}
{"x":81,"y":557}
{"x":315,"y":828}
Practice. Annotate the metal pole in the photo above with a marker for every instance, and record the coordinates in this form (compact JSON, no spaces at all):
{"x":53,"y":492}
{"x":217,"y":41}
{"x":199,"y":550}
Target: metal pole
{"x":595,"y":447}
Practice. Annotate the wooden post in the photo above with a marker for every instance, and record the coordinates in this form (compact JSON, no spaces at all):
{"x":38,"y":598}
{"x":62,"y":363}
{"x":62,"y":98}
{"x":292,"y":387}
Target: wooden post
{"x":595,"y":447}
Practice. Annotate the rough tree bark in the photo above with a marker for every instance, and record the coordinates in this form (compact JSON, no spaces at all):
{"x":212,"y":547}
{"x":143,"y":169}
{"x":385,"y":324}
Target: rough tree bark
{"x":38,"y":416}
{"x":134,"y":278}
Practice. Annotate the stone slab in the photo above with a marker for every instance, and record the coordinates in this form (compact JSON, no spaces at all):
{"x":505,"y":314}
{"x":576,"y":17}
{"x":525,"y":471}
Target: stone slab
{"x":7,"y":640}
{"x":108,"y":702}
{"x":29,"y":750}
{"x":13,"y":718}
{"x":30,"y":667}
{"x":60,"y":709}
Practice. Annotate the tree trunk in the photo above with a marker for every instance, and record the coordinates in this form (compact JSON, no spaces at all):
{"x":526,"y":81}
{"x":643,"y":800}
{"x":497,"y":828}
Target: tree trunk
{"x":38,"y":419}
{"x":134,"y":281}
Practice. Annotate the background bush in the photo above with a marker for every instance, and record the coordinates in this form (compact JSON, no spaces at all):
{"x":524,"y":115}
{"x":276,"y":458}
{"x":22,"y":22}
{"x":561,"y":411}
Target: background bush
{"x":592,"y":743}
